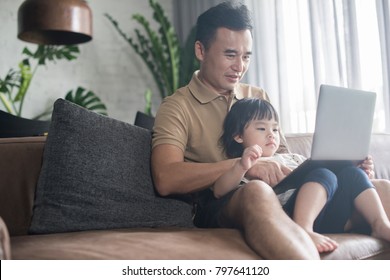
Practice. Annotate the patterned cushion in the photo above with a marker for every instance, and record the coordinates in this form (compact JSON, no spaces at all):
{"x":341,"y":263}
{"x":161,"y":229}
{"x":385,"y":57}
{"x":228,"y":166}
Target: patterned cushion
{"x":96,"y":175}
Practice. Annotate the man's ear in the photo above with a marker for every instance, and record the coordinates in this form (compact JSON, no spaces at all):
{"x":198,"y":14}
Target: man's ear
{"x":238,"y":139}
{"x":199,"y":50}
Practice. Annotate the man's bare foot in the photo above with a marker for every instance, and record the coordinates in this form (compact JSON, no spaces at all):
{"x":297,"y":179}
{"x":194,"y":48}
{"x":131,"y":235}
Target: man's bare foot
{"x":323,"y":243}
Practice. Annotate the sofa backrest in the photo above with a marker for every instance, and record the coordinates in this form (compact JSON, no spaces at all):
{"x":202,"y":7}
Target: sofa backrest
{"x":20,"y":164}
{"x":379,"y":149}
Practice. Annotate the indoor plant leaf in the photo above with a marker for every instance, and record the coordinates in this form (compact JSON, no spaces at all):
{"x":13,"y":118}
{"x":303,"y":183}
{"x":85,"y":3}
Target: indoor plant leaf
{"x":21,"y":79}
{"x":159,"y":50}
{"x":87,"y":99}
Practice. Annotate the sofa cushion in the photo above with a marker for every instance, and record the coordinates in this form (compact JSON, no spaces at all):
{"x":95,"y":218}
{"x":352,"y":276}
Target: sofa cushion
{"x":96,"y":175}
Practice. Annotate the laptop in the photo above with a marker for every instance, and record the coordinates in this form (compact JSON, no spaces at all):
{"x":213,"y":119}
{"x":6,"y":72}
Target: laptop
{"x":342,"y":132}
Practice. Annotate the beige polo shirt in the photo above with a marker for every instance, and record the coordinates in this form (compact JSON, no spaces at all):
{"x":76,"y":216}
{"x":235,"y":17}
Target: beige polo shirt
{"x":192,"y":119}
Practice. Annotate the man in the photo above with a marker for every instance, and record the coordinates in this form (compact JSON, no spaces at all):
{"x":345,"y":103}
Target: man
{"x":186,"y":157}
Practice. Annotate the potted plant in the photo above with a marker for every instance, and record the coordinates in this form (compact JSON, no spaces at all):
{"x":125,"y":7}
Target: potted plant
{"x":15,"y":85}
{"x":170,"y":63}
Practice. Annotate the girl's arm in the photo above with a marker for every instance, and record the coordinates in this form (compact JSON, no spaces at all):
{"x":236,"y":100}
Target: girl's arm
{"x":232,"y":178}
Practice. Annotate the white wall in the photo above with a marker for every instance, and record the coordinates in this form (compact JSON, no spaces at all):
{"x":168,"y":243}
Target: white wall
{"x":106,"y":65}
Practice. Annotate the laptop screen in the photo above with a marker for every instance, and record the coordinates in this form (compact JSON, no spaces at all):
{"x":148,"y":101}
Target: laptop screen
{"x":343,"y":124}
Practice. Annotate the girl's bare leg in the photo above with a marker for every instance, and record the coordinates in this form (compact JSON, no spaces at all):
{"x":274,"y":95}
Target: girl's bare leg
{"x":310,"y":201}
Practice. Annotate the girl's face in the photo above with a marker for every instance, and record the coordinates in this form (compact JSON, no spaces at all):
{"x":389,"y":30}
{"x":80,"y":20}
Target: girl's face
{"x":264,"y":133}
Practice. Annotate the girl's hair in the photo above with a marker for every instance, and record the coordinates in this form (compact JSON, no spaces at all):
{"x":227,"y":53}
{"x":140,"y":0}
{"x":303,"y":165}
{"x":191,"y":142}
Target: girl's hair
{"x":239,"y":116}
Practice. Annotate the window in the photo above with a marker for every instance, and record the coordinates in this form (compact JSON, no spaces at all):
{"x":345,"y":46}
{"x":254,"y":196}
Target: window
{"x":313,"y":43}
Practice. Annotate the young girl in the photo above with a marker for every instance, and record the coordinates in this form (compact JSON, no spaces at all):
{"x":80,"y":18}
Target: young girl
{"x":321,"y":202}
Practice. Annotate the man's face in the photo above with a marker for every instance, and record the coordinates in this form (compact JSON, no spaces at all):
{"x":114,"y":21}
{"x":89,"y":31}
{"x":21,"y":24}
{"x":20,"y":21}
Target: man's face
{"x":226,"y":61}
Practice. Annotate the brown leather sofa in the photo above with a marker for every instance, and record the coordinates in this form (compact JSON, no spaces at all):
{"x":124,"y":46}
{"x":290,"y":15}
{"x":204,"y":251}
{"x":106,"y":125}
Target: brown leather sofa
{"x":20,"y":165}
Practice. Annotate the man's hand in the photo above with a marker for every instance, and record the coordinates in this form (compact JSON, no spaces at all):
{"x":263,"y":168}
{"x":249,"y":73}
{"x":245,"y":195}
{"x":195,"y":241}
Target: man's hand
{"x":269,"y":171}
{"x":368,"y":166}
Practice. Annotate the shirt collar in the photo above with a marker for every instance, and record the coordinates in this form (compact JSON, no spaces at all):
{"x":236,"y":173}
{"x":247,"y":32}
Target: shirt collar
{"x":203,"y":93}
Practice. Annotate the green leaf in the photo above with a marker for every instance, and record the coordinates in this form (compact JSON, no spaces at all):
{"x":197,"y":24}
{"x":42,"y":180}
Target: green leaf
{"x":160,"y":50}
{"x":170,"y":64}
{"x":148,"y":102}
{"x":170,"y":43}
{"x":21,"y":79}
{"x":7,"y":103}
{"x":46,"y":53}
{"x":25,"y":79}
{"x":11,"y":81}
{"x":27,"y":52}
{"x":87,"y":99}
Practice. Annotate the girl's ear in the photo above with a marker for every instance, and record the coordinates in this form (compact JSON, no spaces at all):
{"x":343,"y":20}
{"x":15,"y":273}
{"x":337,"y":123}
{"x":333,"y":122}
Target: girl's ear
{"x":238,"y":139}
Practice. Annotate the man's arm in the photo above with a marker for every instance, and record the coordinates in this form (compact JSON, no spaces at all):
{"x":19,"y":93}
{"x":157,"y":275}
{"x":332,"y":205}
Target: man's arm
{"x":269,"y":171}
{"x":174,"y":176}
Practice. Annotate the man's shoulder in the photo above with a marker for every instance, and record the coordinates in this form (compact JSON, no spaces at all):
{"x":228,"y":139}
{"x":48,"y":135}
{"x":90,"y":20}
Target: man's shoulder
{"x":179,"y":98}
{"x":180,"y":104}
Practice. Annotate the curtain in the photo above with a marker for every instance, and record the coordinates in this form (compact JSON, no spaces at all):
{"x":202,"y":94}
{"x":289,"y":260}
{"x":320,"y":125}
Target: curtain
{"x":301,"y":44}
{"x":186,"y":12}
{"x":383,"y":10}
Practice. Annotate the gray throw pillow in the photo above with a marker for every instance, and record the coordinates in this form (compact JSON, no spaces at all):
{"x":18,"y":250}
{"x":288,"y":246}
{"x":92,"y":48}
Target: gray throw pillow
{"x":96,"y":175}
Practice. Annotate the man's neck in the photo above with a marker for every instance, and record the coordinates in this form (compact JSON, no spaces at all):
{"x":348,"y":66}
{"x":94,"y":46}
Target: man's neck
{"x":226,"y":94}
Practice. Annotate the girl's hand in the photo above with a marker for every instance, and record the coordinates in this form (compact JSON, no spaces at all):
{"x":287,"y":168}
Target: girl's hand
{"x":368,"y":166}
{"x":250,"y":156}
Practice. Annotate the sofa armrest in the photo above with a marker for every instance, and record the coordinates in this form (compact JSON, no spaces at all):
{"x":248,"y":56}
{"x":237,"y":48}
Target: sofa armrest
{"x":20,"y":164}
{"x":5,"y":247}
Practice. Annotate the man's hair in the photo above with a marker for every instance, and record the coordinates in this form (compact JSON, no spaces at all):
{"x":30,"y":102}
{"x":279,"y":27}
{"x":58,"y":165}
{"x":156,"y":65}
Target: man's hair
{"x":226,"y":14}
{"x":239,"y":116}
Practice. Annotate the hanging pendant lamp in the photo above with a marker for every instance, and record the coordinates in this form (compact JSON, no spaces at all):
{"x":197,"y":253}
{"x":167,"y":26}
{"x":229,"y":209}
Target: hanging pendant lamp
{"x":55,"y":22}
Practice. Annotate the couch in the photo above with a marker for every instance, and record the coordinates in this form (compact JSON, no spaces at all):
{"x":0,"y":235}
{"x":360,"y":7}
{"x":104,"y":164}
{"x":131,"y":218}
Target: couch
{"x":27,"y":164}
